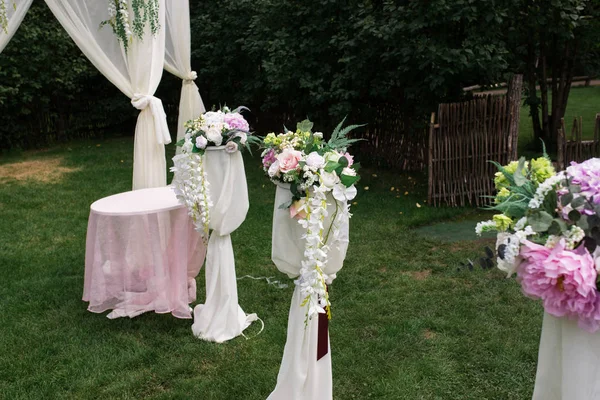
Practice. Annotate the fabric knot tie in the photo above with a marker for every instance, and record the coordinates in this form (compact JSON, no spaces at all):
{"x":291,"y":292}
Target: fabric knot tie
{"x":190,"y":78}
{"x":142,"y":102}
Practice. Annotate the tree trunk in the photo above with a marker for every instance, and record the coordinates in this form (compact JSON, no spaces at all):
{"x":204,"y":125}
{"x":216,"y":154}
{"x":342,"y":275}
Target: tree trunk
{"x":534,"y":108}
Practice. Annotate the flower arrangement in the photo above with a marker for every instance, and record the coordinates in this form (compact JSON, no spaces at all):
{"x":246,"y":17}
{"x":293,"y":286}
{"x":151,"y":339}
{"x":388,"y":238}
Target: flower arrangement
{"x":549,"y":234}
{"x":314,"y":169}
{"x":213,"y":128}
{"x":127,"y":27}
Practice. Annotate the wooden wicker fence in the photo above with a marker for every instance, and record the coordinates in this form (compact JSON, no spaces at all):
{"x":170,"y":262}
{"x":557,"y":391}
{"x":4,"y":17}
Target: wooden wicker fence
{"x":465,"y":137}
{"x":575,"y":148}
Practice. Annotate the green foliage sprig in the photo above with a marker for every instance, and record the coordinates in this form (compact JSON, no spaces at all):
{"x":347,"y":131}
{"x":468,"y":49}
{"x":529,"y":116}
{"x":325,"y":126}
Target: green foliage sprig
{"x":126,"y":27}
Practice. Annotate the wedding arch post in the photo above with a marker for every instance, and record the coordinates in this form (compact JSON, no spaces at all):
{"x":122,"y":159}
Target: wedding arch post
{"x":12,"y":13}
{"x":178,"y":62}
{"x":134,"y":66}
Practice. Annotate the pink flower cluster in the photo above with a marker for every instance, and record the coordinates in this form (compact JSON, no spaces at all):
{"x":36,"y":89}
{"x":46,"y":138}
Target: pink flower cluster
{"x":236,"y":121}
{"x":587,"y":176}
{"x":565,"y":281}
{"x":269,"y":158}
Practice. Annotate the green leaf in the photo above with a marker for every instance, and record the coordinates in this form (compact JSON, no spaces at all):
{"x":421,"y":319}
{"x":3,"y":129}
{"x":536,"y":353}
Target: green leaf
{"x":574,"y":215}
{"x":305,"y":126}
{"x":578,"y":202}
{"x":540,"y":221}
{"x":566,"y":199}
{"x":331,"y":166}
{"x":343,"y":161}
{"x":180,"y":143}
{"x":520,"y":179}
{"x":348,"y":180}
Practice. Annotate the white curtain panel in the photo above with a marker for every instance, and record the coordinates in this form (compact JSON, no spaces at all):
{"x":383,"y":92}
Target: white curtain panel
{"x":136,"y":73}
{"x":15,"y":12}
{"x":178,"y":62}
{"x":301,"y":376}
{"x":221,"y":318}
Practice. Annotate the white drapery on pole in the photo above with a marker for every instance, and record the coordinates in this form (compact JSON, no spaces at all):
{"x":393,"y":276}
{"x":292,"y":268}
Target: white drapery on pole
{"x":15,"y":12}
{"x":136,"y":73}
{"x":302,"y":375}
{"x":221,"y":318}
{"x":178,"y":62}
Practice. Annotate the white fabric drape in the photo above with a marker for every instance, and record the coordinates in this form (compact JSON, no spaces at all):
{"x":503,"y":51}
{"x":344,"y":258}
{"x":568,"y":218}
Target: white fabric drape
{"x":136,"y":73}
{"x":15,"y":11}
{"x":220,"y":318}
{"x":178,"y":62}
{"x":568,"y":362}
{"x":301,"y":376}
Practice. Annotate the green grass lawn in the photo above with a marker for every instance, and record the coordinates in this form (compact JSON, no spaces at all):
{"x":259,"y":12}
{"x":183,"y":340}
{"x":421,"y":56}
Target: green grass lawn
{"x":583,"y":102}
{"x":406,"y":324}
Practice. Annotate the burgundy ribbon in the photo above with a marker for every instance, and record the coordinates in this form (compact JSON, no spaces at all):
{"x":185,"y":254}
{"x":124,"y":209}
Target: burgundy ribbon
{"x":322,"y":338}
{"x":323,"y":335}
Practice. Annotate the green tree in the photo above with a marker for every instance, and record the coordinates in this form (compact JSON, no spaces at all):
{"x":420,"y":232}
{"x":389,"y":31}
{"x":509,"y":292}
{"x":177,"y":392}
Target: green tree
{"x":548,"y":39}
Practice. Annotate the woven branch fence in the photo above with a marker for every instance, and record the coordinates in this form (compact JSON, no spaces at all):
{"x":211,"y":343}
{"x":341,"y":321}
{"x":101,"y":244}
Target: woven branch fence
{"x":465,"y":137}
{"x":575,"y":148}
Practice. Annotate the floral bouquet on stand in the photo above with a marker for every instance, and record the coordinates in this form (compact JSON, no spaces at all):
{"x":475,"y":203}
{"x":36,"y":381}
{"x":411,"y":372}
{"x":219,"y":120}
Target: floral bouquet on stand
{"x":314,"y":170}
{"x":549,"y":234}
{"x":224,"y":128}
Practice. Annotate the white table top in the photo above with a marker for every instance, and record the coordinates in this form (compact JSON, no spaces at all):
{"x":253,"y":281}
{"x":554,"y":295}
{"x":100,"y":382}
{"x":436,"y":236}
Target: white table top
{"x":143,"y":201}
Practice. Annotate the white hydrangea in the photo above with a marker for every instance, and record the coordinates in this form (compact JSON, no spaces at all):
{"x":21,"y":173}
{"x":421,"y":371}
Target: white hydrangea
{"x":485,"y":226}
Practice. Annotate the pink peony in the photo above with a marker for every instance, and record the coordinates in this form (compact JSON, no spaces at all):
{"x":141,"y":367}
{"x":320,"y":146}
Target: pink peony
{"x":288,"y":160}
{"x":565,"y":280}
{"x":236,"y":121}
{"x":296,"y":210}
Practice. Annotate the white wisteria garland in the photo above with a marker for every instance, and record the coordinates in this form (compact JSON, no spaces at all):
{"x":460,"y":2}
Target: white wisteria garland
{"x":313,"y":280}
{"x":4,"y":15}
{"x":192,"y":187}
{"x":127,"y":26}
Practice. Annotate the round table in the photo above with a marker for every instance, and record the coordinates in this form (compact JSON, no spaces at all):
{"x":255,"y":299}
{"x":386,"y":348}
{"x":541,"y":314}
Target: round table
{"x":142,"y":254}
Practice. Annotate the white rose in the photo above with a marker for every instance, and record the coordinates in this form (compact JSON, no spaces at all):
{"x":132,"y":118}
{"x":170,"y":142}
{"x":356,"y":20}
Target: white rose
{"x":274,"y":169}
{"x":348,"y":171}
{"x":315,"y":160}
{"x":243,"y":137}
{"x":214,"y":135}
{"x":201,"y":142}
{"x":332,"y":156}
{"x":329,"y":179}
{"x":231,"y":147}
{"x":318,"y":135}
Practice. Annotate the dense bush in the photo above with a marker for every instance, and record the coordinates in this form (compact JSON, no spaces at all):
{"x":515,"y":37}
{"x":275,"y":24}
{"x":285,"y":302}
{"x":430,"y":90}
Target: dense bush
{"x":285,"y":60}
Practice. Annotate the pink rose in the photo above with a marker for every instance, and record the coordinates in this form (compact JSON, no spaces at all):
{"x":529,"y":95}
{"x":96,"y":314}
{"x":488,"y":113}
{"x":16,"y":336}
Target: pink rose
{"x":297,"y":209}
{"x":288,"y":160}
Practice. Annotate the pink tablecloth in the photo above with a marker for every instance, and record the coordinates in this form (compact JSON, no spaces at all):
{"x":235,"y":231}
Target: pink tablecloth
{"x":142,"y":254}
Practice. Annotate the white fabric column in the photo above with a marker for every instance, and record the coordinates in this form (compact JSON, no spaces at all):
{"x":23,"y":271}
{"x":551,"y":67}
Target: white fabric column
{"x":15,"y":16}
{"x":220,"y":318}
{"x":178,"y":62}
{"x":301,"y":376}
{"x":568,"y":362}
{"x":136,"y":73}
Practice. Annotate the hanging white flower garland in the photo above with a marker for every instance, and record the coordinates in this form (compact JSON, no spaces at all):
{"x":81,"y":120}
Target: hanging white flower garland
{"x":312,"y":280}
{"x":192,"y":187}
{"x":127,"y":26}
{"x":4,"y":15}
